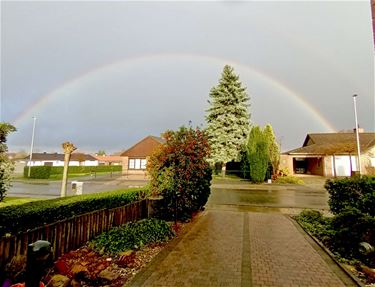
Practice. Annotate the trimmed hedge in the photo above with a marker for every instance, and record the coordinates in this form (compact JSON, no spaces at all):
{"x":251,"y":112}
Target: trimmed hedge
{"x":42,"y":171}
{"x":354,"y":192}
{"x":30,"y":215}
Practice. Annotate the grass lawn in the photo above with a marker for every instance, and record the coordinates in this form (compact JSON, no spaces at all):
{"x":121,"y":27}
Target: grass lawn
{"x":7,"y":201}
{"x":56,"y":177}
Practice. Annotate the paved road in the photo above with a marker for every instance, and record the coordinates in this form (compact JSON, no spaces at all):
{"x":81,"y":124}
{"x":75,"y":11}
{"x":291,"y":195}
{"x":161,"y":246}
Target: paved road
{"x":91,"y":185}
{"x":230,"y":247}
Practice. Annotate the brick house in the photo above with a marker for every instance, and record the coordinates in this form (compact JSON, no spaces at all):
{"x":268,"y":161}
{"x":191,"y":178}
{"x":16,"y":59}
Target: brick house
{"x":134,"y":159}
{"x":331,"y":154}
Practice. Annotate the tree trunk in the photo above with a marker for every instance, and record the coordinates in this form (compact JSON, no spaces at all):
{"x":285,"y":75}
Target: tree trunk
{"x":65,"y":175}
{"x":223,"y":169}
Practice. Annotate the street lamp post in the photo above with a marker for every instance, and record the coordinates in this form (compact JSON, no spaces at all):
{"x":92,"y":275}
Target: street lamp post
{"x":357,"y":135}
{"x":31,"y":148}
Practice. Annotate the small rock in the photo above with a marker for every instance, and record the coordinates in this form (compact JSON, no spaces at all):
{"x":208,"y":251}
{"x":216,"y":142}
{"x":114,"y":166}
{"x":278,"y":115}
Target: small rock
{"x":59,"y":281}
{"x":107,"y":274}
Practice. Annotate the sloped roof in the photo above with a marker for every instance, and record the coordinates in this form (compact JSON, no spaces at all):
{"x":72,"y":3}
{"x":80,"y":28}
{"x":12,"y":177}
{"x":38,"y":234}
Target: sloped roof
{"x":108,"y":158}
{"x":334,"y":143}
{"x":59,"y":156}
{"x":144,"y":148}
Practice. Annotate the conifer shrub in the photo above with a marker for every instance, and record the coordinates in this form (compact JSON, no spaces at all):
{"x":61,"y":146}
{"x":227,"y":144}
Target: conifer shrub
{"x":180,"y":173}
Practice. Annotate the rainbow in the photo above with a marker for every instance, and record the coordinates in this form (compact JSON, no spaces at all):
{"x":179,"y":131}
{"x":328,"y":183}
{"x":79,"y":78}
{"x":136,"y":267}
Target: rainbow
{"x":129,"y":62}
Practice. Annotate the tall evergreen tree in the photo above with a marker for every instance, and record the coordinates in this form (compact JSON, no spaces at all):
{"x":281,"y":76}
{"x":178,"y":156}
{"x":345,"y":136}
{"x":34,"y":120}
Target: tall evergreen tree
{"x":227,"y":118}
{"x":273,"y":148}
{"x":258,"y":154}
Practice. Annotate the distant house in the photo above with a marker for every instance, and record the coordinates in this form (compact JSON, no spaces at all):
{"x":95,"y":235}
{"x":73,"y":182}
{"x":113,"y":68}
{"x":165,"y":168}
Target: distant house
{"x":109,"y":159}
{"x":57,"y":159}
{"x":134,"y":159}
{"x":331,"y":154}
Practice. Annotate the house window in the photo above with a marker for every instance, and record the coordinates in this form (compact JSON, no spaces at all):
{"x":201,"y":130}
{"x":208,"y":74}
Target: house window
{"x":137,"y":163}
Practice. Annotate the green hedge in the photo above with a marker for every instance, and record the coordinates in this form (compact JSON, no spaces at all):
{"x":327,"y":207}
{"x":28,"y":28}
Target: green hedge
{"x":43,"y":171}
{"x":30,"y":215}
{"x":352,"y":192}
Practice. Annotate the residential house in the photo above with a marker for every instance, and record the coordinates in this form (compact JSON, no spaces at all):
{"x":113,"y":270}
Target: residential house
{"x":109,"y":159}
{"x":134,"y":159}
{"x":331,"y":154}
{"x":57,"y":159}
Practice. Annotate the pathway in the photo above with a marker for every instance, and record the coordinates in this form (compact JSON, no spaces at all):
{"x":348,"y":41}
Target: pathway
{"x":226,"y":248}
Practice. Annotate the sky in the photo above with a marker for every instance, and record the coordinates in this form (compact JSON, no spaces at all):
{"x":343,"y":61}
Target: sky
{"x":104,"y":75}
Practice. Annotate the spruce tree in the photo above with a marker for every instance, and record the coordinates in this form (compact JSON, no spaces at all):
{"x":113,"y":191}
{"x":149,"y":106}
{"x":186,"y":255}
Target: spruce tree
{"x":227,"y":118}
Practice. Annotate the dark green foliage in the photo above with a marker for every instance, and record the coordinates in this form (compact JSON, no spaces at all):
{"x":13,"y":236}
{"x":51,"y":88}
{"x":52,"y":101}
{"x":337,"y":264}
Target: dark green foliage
{"x":352,"y":193}
{"x":38,"y":213}
{"x":316,"y":224}
{"x":258,"y":154}
{"x":180,"y":173}
{"x":352,"y":203}
{"x":42,"y":171}
{"x":133,"y":235}
{"x":351,"y":227}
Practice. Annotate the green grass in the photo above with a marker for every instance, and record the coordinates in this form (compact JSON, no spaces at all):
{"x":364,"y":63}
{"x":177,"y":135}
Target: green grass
{"x":55,"y":177}
{"x":8,"y":201}
{"x":289,"y":180}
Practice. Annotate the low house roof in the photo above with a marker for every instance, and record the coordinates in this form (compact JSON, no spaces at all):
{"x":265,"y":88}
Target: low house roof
{"x":60,"y":157}
{"x":109,"y":158}
{"x":334,"y":143}
{"x":144,"y":148}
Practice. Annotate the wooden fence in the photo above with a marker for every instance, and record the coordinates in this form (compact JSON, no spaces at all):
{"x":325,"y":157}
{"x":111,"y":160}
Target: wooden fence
{"x":71,"y":233}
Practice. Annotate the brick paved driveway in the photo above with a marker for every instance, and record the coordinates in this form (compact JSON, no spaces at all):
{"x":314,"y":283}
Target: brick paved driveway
{"x":230,"y":248}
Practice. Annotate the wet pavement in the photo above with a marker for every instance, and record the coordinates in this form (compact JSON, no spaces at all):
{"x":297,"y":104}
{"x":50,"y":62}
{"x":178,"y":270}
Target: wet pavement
{"x":226,"y":248}
{"x":243,"y":195}
{"x":51,"y":189}
{"x":231,"y":245}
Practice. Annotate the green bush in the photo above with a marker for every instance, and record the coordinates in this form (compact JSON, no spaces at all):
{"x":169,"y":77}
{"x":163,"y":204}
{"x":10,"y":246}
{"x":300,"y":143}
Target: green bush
{"x":42,"y":172}
{"x":316,"y":224}
{"x":351,"y":227}
{"x":38,"y":213}
{"x":133,"y":235}
{"x":180,"y":173}
{"x":352,"y":193}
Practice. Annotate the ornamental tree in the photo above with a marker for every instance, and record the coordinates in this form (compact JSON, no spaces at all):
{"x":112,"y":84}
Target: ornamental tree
{"x":180,"y":173}
{"x":227,"y":118}
{"x":6,"y":166}
{"x":273,"y":148}
{"x":258,"y":154}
